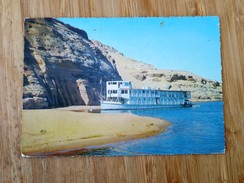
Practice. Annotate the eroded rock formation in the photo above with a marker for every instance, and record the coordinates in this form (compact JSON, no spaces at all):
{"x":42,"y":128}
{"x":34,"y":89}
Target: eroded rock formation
{"x":62,"y":67}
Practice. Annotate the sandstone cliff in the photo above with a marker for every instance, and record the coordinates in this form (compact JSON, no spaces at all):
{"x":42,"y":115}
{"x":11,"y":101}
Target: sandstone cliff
{"x":62,"y":67}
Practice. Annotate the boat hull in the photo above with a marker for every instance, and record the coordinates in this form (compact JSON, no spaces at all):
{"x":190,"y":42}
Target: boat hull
{"x":119,"y":106}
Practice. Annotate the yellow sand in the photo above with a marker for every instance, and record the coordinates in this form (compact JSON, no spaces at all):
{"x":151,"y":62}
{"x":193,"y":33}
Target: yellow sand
{"x":48,"y":131}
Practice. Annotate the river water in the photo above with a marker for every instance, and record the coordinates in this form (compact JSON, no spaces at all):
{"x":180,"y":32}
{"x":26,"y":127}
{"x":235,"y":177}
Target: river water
{"x":196,"y":130}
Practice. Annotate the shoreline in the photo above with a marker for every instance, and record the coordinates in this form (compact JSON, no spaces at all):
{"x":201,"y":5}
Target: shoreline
{"x":65,"y":132}
{"x":94,"y":108}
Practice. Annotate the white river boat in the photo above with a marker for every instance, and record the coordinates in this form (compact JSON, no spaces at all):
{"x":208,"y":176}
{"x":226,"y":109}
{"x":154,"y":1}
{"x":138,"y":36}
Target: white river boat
{"x":121,"y":95}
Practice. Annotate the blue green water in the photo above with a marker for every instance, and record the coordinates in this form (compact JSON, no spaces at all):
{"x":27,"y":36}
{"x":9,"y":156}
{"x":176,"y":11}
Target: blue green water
{"x":196,"y":130}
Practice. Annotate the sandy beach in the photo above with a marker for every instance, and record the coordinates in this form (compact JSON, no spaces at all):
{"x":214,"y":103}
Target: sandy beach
{"x":58,"y":131}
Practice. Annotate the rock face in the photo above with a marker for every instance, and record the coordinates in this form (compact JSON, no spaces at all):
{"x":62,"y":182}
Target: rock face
{"x":140,"y":77}
{"x":62,"y":67}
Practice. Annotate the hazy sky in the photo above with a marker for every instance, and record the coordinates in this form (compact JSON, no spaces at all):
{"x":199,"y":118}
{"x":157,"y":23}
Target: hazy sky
{"x":188,"y":43}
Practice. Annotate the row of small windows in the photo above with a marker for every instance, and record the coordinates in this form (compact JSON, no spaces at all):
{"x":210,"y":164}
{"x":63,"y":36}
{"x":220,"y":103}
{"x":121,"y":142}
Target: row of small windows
{"x":150,"y":99}
{"x":120,"y":83}
{"x":153,"y":93}
{"x":135,"y":100}
{"x":112,"y":91}
{"x":112,"y":83}
{"x":115,"y":91}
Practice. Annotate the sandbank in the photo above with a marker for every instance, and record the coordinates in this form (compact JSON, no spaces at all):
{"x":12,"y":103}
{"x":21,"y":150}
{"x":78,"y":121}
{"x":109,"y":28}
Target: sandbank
{"x":55,"y":131}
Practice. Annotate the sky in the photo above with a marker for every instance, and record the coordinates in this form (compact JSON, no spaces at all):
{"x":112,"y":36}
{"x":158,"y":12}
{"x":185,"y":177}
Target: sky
{"x":178,"y":43}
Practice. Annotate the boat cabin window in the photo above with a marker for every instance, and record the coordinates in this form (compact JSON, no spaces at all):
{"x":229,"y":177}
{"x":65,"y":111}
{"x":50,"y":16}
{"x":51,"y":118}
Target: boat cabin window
{"x":124,"y":91}
{"x":127,"y":83}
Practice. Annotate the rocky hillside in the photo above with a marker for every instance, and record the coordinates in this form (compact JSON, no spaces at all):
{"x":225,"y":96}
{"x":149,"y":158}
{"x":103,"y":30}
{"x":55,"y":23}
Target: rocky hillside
{"x":142,"y":75}
{"x":62,"y":67}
